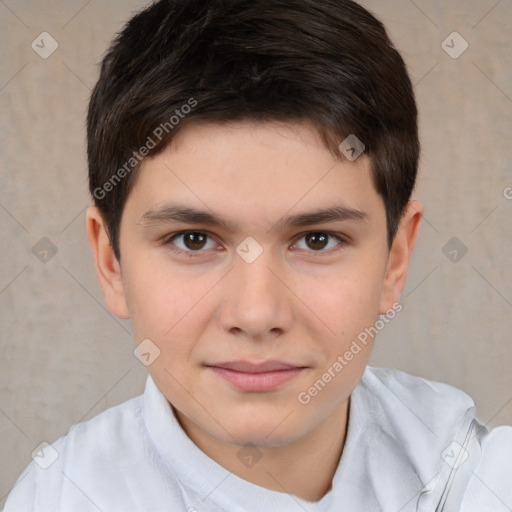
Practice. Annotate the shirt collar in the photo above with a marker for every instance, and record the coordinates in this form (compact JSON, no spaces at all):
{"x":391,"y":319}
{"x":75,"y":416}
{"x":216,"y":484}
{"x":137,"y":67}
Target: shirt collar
{"x":380,"y":465}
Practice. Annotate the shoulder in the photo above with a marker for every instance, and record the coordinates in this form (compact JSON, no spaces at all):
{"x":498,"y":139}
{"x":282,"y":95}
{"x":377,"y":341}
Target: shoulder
{"x":413,"y":417}
{"x":489,"y":486}
{"x":435,"y":426}
{"x":69,"y":466}
{"x":440,"y":406}
{"x":412,"y":385}
{"x":102,"y":436}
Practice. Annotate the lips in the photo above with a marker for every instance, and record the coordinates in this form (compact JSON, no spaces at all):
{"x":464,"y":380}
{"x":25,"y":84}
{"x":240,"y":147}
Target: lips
{"x":246,"y":367}
{"x":256,"y":377}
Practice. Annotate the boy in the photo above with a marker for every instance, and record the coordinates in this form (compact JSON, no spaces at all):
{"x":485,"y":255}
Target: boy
{"x":252,"y":165}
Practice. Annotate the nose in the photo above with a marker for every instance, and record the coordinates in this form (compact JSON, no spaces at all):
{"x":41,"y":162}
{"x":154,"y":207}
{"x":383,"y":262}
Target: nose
{"x":257,"y":304}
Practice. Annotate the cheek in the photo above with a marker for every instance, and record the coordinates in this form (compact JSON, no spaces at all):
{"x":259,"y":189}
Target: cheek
{"x":346,"y":301}
{"x":162,"y":311}
{"x":144,"y":299}
{"x":153,"y":298}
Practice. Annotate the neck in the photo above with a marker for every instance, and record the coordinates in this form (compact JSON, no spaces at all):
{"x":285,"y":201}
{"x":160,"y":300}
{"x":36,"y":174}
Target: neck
{"x":304,"y":467}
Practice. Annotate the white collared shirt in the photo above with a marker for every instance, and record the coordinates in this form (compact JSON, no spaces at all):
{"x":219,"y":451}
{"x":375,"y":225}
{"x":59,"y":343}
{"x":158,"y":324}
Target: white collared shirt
{"x":412,"y":445}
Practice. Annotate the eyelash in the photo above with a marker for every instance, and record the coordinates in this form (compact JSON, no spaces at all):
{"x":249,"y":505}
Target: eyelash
{"x":168,"y":241}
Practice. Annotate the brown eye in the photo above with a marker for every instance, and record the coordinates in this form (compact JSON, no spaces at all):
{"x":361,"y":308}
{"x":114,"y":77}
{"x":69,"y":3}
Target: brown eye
{"x":190,"y":242}
{"x":320,"y":242}
{"x":194,"y":240}
{"x":317,"y":241}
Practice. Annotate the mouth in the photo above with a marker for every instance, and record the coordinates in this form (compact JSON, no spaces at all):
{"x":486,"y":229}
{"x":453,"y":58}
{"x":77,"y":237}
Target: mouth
{"x":259,"y":377}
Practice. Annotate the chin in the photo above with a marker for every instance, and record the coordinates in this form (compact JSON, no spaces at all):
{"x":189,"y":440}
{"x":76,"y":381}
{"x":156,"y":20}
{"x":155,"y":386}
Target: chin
{"x":269,"y":433}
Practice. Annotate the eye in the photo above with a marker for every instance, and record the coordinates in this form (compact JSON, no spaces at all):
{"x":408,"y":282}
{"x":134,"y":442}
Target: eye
{"x":194,"y":243}
{"x":189,"y":241}
{"x":318,"y":241}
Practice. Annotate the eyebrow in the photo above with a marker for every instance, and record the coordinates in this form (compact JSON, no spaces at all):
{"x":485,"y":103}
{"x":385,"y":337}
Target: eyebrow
{"x":169,"y":213}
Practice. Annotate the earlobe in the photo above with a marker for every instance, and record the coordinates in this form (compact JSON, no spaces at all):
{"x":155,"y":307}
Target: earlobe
{"x":107,"y":266}
{"x":400,"y":256}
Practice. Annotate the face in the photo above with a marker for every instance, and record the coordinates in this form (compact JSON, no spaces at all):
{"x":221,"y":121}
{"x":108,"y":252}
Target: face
{"x":253,"y":259}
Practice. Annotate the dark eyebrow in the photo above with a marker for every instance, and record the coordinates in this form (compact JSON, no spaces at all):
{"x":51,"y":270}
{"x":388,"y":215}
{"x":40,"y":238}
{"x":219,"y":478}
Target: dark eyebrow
{"x":330,"y":214}
{"x":178,"y":213}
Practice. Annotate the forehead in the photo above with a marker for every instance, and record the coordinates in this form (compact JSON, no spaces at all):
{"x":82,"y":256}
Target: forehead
{"x":253,"y":170}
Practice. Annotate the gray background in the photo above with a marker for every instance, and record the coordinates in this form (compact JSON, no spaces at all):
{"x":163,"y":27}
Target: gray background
{"x":65,"y":358}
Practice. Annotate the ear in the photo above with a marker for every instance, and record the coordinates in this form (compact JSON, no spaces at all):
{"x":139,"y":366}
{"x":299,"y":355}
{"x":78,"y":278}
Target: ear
{"x":400,"y":255}
{"x":107,"y":266}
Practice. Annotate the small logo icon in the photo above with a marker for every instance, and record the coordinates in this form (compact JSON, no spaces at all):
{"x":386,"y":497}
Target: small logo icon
{"x":249,"y":455}
{"x":146,"y":352}
{"x":44,"y":250}
{"x":44,"y":45}
{"x":454,"y":455}
{"x":352,"y":147}
{"x":508,"y":193}
{"x":454,"y":45}
{"x":249,"y":250}
{"x":45,"y":455}
{"x":455,"y":250}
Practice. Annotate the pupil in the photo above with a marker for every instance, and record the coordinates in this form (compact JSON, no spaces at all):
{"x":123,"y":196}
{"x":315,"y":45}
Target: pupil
{"x":195,"y":241}
{"x":316,"y":240}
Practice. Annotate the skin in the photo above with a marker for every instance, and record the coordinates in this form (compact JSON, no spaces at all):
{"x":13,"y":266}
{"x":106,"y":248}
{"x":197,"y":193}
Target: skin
{"x":301,"y":301}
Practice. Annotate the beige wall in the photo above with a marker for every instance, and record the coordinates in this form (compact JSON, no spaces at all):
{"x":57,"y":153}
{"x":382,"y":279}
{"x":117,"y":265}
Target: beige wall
{"x":65,"y":358}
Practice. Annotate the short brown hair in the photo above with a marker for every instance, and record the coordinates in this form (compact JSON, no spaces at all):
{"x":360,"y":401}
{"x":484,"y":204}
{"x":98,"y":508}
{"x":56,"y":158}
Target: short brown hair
{"x":177,"y":62}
